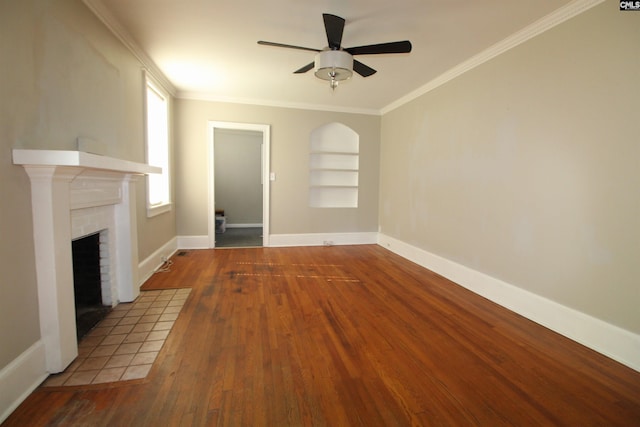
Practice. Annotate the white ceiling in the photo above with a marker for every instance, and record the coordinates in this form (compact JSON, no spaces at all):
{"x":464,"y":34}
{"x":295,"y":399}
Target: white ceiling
{"x":207,"y":48}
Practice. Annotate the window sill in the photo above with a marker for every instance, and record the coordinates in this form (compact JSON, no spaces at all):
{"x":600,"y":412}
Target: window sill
{"x":158,"y":209}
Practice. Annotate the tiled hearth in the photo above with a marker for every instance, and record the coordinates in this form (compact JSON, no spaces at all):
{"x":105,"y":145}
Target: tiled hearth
{"x":124,"y":345}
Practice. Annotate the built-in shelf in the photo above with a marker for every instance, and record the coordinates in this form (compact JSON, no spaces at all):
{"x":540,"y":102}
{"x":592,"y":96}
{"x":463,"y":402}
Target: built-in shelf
{"x":334,"y":164}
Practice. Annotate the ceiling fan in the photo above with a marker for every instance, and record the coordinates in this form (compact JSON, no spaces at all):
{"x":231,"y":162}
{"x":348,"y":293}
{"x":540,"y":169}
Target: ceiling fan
{"x":335,"y":63}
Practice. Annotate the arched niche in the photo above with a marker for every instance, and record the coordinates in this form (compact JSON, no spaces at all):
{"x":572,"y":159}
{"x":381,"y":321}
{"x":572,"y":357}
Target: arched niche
{"x":334,"y":163}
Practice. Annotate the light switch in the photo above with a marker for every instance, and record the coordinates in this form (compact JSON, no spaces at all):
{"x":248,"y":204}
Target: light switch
{"x":272,"y":176}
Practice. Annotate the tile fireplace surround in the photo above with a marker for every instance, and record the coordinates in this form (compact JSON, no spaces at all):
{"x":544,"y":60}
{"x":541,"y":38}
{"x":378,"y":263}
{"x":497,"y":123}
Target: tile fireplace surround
{"x":74,"y":194}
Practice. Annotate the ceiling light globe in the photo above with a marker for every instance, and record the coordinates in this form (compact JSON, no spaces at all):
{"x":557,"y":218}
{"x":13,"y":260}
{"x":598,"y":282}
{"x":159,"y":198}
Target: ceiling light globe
{"x":336,"y":65}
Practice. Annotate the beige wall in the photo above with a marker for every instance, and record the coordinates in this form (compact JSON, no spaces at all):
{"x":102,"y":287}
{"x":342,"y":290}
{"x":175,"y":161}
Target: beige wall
{"x":290,"y":129}
{"x":64,"y":75}
{"x":527,"y":168}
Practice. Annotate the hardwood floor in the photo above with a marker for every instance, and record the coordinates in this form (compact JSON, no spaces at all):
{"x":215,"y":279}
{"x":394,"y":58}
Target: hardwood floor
{"x":342,"y":336}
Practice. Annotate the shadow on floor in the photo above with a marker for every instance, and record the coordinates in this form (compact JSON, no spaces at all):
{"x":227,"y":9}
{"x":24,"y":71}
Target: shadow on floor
{"x":239,"y":237}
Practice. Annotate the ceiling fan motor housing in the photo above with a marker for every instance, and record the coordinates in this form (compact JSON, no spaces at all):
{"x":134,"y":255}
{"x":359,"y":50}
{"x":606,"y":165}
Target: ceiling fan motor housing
{"x":333,"y":65}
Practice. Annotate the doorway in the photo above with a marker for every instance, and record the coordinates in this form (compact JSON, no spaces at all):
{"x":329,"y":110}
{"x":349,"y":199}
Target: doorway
{"x":238,"y":163}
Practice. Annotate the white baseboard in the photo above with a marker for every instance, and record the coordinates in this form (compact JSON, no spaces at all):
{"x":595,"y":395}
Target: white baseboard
{"x":282,"y":240}
{"x":322,"y":239}
{"x":610,"y":340}
{"x":20,"y":377}
{"x":243,"y":225}
{"x":147,"y":267}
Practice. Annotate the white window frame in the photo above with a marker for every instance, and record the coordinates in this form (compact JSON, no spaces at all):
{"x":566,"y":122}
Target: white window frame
{"x":162,"y":159}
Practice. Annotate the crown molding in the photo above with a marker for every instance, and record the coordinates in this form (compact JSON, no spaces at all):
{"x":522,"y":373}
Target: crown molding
{"x":118,"y":30}
{"x":546,"y":23}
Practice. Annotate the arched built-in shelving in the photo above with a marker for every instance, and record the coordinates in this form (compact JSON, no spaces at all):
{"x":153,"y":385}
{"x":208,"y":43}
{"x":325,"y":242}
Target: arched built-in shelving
{"x":334,"y":164}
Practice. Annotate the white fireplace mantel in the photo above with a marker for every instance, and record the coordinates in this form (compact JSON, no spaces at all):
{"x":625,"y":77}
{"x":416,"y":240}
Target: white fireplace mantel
{"x":80,"y":159}
{"x":63,"y":182}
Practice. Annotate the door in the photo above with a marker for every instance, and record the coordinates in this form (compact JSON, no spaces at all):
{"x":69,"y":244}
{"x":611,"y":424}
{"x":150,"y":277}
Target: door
{"x":238,"y":184}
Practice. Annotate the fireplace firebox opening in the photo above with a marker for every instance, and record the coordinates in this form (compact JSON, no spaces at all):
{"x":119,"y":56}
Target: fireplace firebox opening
{"x":88,"y":282}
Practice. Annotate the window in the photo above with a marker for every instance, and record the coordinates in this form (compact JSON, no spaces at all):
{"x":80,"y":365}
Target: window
{"x":157,"y":133}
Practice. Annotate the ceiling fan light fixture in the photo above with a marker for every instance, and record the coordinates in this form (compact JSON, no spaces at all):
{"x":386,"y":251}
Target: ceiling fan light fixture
{"x":334,"y":63}
{"x":333,"y":66}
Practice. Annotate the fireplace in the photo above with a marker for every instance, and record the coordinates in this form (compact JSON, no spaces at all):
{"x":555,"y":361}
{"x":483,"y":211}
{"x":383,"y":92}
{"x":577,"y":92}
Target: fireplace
{"x":75,"y":194}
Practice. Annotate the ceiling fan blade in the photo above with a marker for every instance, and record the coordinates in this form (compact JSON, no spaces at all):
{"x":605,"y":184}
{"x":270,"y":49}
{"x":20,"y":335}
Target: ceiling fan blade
{"x":363,"y":70}
{"x":375,"y":49}
{"x":334,"y":26}
{"x":304,"y":69}
{"x":264,"y":43}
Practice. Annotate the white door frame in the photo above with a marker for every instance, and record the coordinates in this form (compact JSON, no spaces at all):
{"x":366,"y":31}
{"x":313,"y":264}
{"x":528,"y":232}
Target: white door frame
{"x":266,"y":183}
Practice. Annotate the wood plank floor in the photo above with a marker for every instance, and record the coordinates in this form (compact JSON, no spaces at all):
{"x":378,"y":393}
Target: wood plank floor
{"x":345,"y":336}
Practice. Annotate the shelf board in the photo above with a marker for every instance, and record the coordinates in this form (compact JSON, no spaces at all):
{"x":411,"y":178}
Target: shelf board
{"x":333,"y":170}
{"x":332,"y":186}
{"x":333,"y":153}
